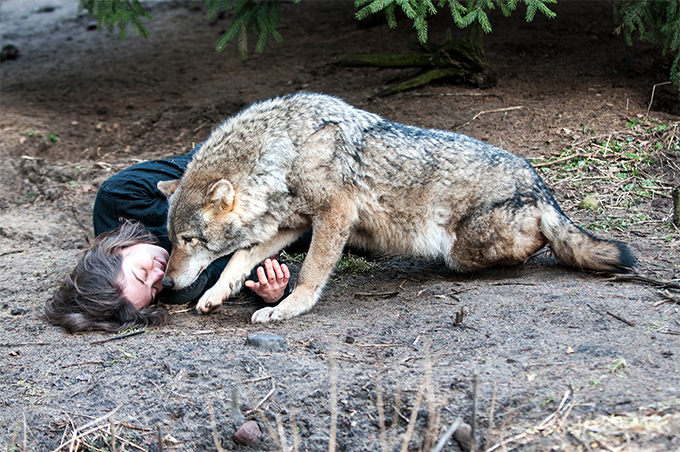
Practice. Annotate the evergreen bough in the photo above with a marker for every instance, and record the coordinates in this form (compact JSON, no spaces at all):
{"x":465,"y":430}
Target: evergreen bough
{"x":655,"y":21}
{"x":120,"y":13}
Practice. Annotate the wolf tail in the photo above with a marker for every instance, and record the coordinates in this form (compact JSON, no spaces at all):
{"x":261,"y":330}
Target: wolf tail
{"x":578,"y":248}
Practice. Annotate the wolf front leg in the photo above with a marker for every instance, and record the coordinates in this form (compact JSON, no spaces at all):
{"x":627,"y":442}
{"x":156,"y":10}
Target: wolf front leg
{"x":330,"y":231}
{"x":239,"y":267}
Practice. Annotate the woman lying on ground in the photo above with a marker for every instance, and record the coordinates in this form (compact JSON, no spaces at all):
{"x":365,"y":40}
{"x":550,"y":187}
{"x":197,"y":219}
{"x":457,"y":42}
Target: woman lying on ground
{"x":116,"y":282}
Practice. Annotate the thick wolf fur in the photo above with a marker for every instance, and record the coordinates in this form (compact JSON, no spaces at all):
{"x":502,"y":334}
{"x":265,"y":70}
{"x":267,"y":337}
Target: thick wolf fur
{"x":309,"y":161}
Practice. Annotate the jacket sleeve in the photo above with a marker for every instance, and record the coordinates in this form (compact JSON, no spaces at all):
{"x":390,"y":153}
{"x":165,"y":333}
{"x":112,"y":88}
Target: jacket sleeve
{"x":132,"y":195}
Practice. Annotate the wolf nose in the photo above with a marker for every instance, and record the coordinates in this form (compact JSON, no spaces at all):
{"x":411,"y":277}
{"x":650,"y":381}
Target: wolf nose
{"x":168,"y":283}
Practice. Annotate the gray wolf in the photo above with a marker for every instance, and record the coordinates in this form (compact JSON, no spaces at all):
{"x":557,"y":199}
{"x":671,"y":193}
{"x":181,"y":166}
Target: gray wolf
{"x":310,"y":161}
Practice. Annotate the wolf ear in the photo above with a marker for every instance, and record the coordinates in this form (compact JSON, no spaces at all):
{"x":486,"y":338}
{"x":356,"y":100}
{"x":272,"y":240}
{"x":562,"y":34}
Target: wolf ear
{"x":168,"y":187}
{"x":220,"y":194}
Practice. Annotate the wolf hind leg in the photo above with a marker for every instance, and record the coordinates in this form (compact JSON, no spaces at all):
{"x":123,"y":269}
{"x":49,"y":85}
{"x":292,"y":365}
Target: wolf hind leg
{"x":329,"y":236}
{"x":499,"y":237}
{"x":239,"y":267}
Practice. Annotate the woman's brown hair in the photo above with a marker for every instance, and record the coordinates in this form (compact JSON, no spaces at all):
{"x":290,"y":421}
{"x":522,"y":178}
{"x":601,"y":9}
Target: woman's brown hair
{"x":91,"y":298}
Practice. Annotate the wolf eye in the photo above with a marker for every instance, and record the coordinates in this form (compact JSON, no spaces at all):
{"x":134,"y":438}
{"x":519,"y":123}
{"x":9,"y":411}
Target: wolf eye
{"x":188,"y":240}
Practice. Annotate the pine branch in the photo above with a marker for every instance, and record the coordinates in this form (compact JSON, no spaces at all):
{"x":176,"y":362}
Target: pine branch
{"x":655,"y":21}
{"x":111,"y":14}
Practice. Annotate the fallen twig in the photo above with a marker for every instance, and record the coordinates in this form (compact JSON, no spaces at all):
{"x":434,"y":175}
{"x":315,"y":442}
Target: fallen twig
{"x":669,"y":298}
{"x":458,"y":94}
{"x":445,"y":437}
{"x":269,"y":394}
{"x":619,"y":318}
{"x":566,"y":415}
{"x":160,"y":438}
{"x":381,"y":413}
{"x":376,"y":294}
{"x":674,"y":333}
{"x":381,"y":345}
{"x":396,"y":414}
{"x":553,"y":417}
{"x":492,"y":409}
{"x":333,"y":375}
{"x":213,"y":426}
{"x":25,"y":444}
{"x":433,"y":419}
{"x":6,"y":252}
{"x":498,"y":110}
{"x":563,"y":159}
{"x":627,"y":322}
{"x":644,"y":279}
{"x":23,"y":344}
{"x":113,"y":434}
{"x":255,"y":380}
{"x":134,"y":427}
{"x":282,"y":434}
{"x":79,"y":432}
{"x":651,"y":100}
{"x":414,"y":414}
{"x":504,"y":442}
{"x":15,"y":430}
{"x":85,"y":363}
{"x":115,"y":338}
{"x":475,"y":390}
{"x":296,"y":439}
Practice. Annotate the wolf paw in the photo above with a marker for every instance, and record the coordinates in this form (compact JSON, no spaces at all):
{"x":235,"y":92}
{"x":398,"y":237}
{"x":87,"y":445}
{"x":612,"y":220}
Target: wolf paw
{"x":266,"y":315}
{"x":211,"y":301}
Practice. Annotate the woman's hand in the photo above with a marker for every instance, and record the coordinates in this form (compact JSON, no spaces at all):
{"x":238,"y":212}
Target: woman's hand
{"x":272,"y":281}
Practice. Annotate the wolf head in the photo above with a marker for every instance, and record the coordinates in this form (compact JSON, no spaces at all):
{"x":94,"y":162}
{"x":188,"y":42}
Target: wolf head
{"x":204,"y":223}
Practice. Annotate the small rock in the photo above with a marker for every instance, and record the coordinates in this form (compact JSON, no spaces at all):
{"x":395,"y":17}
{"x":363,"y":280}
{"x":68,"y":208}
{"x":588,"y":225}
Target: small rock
{"x":464,"y":436}
{"x":83,"y":377}
{"x":17,"y":311}
{"x":589,"y":203}
{"x":267,"y":341}
{"x":349,"y":340}
{"x":249,"y":434}
{"x":9,"y":52}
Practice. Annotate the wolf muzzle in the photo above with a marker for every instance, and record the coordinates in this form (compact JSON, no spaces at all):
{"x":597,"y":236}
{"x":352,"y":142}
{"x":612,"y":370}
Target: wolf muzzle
{"x":168,"y":283}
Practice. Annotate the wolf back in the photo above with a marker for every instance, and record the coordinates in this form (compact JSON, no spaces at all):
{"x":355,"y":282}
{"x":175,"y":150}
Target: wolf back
{"x":311,"y":161}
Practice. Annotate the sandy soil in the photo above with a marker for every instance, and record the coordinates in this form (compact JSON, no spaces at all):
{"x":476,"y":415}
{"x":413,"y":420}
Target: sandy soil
{"x":565,"y":360}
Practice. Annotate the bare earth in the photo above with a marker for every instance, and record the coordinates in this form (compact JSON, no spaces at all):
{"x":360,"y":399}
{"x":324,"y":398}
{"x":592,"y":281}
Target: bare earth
{"x":566,"y":360}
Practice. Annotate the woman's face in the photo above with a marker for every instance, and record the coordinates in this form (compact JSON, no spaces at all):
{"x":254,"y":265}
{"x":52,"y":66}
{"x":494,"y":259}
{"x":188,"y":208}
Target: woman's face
{"x":143,"y":269}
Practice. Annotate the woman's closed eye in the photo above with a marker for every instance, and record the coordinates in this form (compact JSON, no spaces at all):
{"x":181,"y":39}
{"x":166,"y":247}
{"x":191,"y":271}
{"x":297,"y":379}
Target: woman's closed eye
{"x":141,"y":275}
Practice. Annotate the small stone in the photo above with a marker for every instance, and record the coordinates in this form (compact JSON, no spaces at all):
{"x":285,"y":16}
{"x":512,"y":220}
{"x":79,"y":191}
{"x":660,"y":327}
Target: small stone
{"x":589,"y":203}
{"x":17,"y":311}
{"x":9,"y":52}
{"x":349,"y":340}
{"x":249,"y":434}
{"x":267,"y":341}
{"x":463,"y":436}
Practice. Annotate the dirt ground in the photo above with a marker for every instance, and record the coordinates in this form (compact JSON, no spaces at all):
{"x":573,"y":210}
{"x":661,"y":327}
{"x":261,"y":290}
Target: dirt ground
{"x":565,"y":360}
